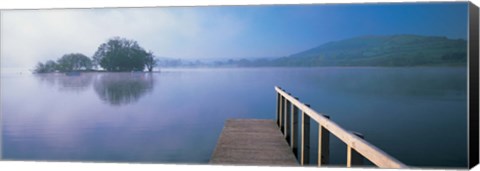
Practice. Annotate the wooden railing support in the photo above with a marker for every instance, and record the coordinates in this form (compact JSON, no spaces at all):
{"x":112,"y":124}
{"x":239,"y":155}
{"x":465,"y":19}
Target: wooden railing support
{"x":282,"y":101}
{"x":305,"y":150}
{"x":353,"y":157}
{"x":288,"y":120}
{"x":294,"y":126}
{"x":323,"y":145}
{"x":278,"y":109}
{"x":357,"y":148}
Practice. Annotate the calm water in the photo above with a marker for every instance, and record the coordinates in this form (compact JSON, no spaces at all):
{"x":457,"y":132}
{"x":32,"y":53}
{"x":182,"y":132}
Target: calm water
{"x":417,"y":115}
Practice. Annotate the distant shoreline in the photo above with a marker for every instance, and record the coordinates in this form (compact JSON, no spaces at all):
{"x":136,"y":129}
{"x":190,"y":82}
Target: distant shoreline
{"x":424,"y":66}
{"x":27,"y":70}
{"x":98,"y":71}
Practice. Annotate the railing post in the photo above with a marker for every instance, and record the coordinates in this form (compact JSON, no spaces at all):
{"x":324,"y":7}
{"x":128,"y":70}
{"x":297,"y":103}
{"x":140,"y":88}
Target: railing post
{"x":288,"y":118}
{"x":305,"y":149}
{"x":288,"y":108}
{"x":323,"y":144}
{"x":278,"y":109}
{"x":353,"y":157}
{"x":280,"y":123}
{"x":285,"y":113}
{"x":294,"y":125}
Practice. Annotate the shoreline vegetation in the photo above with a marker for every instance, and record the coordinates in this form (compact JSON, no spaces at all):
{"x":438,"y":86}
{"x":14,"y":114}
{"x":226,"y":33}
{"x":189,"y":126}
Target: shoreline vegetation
{"x":116,"y":55}
{"x":369,"y":51}
{"x":122,"y":55}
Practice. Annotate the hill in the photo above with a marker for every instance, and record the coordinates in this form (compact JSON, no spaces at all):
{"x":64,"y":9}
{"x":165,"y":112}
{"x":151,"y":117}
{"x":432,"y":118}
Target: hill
{"x":396,"y":50}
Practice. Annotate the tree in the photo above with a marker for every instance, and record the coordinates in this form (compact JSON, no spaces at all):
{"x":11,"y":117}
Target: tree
{"x":120,"y":54}
{"x":40,"y":68}
{"x":73,"y":61}
{"x":150,"y":61}
{"x":49,"y":66}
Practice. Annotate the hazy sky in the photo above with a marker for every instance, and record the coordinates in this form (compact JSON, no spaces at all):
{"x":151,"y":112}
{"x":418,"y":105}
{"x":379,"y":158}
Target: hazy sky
{"x":31,"y":36}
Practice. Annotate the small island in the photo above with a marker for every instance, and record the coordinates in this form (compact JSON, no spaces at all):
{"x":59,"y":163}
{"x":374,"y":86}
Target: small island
{"x":116,"y":55}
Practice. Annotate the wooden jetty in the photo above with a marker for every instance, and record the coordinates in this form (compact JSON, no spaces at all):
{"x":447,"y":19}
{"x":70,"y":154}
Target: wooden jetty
{"x":252,"y":142}
{"x":274,"y":142}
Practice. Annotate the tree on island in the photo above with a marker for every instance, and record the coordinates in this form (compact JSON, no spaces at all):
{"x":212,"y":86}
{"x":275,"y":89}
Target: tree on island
{"x":73,"y":62}
{"x":49,"y":66}
{"x":150,"y":61}
{"x":67,"y":63}
{"x":120,"y":54}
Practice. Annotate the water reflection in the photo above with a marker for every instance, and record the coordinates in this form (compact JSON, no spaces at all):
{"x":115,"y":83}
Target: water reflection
{"x":114,"y":88}
{"x":67,"y":83}
{"x":123,"y":88}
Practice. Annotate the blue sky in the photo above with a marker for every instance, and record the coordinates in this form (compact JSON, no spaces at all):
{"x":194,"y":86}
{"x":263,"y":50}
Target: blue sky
{"x":302,"y":26}
{"x":218,"y":32}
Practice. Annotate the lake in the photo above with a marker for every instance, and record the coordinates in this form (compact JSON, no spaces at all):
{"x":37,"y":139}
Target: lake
{"x":418,"y":115}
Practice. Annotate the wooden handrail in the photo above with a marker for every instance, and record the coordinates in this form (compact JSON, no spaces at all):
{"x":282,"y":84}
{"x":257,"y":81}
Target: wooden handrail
{"x":367,"y":150}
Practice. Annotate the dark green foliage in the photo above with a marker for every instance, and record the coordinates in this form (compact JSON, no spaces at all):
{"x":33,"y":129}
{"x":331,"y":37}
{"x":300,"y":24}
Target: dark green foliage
{"x":49,"y":66}
{"x":120,"y":54}
{"x":67,"y":63}
{"x":73,"y":62}
{"x":150,"y":61}
{"x":397,"y":50}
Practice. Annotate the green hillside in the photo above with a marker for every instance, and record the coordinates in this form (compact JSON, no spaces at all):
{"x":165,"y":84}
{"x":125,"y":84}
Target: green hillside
{"x":397,"y":50}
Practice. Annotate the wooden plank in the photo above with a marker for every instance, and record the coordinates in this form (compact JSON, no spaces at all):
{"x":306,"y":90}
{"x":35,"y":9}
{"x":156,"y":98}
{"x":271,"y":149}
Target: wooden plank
{"x":369,"y":151}
{"x":252,"y":142}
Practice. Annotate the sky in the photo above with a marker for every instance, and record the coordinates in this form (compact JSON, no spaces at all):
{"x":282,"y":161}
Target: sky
{"x":216,"y":32}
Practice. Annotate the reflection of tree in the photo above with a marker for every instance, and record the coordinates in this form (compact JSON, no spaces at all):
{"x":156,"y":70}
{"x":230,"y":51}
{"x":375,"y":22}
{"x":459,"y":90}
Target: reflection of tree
{"x":123,"y":88}
{"x":49,"y":79}
{"x":75,"y":83}
{"x":67,"y":83}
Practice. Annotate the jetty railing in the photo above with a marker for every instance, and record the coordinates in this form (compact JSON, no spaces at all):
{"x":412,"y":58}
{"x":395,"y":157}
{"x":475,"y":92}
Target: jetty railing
{"x":288,"y":108}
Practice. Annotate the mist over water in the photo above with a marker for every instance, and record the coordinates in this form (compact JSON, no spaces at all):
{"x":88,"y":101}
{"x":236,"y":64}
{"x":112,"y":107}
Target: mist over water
{"x":417,"y":115}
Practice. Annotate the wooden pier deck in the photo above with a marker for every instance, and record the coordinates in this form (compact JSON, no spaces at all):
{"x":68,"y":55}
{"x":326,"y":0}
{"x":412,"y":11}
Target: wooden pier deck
{"x":273,"y":142}
{"x":252,"y":142}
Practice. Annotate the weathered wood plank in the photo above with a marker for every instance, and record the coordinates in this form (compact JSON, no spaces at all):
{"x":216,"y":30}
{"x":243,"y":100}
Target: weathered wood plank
{"x":252,"y":142}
